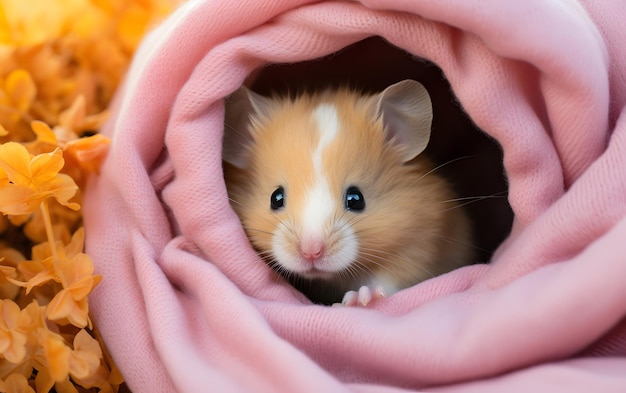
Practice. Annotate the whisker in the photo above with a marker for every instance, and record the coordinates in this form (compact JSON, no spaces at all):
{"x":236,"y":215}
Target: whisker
{"x":471,"y":200}
{"x":280,"y":269}
{"x":355,"y":269}
{"x":444,"y":164}
{"x":398,"y":263}
{"x":257,"y":230}
{"x":279,"y":222}
{"x":374,"y":253}
{"x":379,"y":264}
{"x":233,"y":129}
{"x":478,"y":197}
{"x":266,"y":255}
{"x":289,"y":224}
{"x":354,"y":219}
{"x":469,"y":245}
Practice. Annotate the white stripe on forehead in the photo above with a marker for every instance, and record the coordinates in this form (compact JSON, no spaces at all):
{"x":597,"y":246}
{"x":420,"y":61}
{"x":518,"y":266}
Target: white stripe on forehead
{"x":319,"y":203}
{"x":325,"y":115}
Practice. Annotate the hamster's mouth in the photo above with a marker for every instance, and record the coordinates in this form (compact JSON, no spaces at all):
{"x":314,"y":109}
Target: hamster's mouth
{"x":314,"y":272}
{"x":308,"y":271}
{"x":328,"y":255}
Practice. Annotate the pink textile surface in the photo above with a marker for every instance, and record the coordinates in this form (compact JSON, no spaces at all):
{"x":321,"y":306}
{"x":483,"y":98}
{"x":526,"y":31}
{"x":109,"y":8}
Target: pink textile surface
{"x":186,"y":304}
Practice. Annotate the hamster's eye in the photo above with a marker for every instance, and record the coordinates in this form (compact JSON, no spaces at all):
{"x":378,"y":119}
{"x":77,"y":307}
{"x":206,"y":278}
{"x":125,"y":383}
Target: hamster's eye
{"x":277,"y":200}
{"x":354,"y":199}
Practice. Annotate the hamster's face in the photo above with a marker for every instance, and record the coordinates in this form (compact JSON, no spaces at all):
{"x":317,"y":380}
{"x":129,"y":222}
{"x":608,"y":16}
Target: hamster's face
{"x":325,"y":195}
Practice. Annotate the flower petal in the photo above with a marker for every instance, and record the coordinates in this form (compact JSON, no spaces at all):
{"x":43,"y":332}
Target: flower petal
{"x":31,"y":317}
{"x":15,"y":160}
{"x":5,"y":28}
{"x":60,"y":306}
{"x":82,"y":288}
{"x":65,"y":386}
{"x":85,"y":343}
{"x":12,"y":342}
{"x":4,"y":179}
{"x":73,"y":117}
{"x":43,"y":380}
{"x":79,"y":315}
{"x":86,"y":356}
{"x":77,"y":243}
{"x":89,"y":151}
{"x":5,"y":340}
{"x":16,"y":352}
{"x":45,"y":167}
{"x":16,"y":200}
{"x":39,"y":279}
{"x":16,"y":383}
{"x":43,"y":132}
{"x":10,"y":314}
{"x":63,"y":188}
{"x":21,"y":89}
{"x":57,"y":355}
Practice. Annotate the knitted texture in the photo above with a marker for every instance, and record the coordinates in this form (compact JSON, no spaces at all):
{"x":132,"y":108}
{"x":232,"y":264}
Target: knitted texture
{"x":186,"y":304}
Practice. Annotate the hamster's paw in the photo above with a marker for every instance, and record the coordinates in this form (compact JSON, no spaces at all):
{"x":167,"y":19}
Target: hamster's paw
{"x":363,"y":297}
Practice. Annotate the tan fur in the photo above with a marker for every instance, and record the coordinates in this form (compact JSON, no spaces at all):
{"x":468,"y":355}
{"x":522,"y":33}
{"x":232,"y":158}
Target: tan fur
{"x":407,"y":233}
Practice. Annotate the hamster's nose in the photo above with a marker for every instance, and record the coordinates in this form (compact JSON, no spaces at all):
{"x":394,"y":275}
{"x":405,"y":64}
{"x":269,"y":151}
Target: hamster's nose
{"x":312,"y":248}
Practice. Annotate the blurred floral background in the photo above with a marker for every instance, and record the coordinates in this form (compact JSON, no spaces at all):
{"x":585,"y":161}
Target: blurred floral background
{"x":60,"y":64}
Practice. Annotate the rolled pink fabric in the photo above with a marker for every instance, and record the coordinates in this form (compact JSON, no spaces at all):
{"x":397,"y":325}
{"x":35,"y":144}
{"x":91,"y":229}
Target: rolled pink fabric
{"x":186,"y":305}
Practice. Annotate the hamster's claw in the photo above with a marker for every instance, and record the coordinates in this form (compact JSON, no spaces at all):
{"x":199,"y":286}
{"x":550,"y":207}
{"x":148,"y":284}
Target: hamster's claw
{"x":363,"y":297}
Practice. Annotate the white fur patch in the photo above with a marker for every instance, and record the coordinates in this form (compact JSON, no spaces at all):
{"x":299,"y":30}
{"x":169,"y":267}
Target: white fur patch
{"x":325,"y":115}
{"x":319,"y":207}
{"x":283,"y":254}
{"x":348,"y":249}
{"x":320,"y":204}
{"x":344,"y":253}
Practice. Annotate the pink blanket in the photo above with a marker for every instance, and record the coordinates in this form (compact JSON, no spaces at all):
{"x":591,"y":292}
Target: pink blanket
{"x":186,"y":305}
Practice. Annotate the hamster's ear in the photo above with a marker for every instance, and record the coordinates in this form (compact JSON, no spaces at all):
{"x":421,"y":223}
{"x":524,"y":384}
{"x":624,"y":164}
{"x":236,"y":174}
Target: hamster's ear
{"x":241,"y":107}
{"x":407,"y":115}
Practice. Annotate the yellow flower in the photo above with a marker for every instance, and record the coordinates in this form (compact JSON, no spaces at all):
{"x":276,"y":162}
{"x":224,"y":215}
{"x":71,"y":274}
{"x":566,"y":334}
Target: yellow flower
{"x":18,"y":94}
{"x":36,"y":272}
{"x":63,"y":220}
{"x":72,"y":122}
{"x":32,"y":325}
{"x":9,"y":259}
{"x":5,"y":273}
{"x":35,"y":21}
{"x":57,"y":354}
{"x":12,"y":341}
{"x":67,"y":266}
{"x":28,"y":180}
{"x":71,"y":268}
{"x":76,"y":275}
{"x":55,"y":89}
{"x":15,"y":383}
{"x":61,"y":61}
{"x":86,"y":356}
{"x":82,"y":363}
{"x":83,"y":155}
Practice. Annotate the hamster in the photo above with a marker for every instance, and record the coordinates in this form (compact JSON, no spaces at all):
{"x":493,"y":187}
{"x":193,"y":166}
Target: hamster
{"x":334,"y":193}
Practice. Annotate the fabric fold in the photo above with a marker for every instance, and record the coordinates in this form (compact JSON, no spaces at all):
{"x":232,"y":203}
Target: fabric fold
{"x":187,"y":305}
